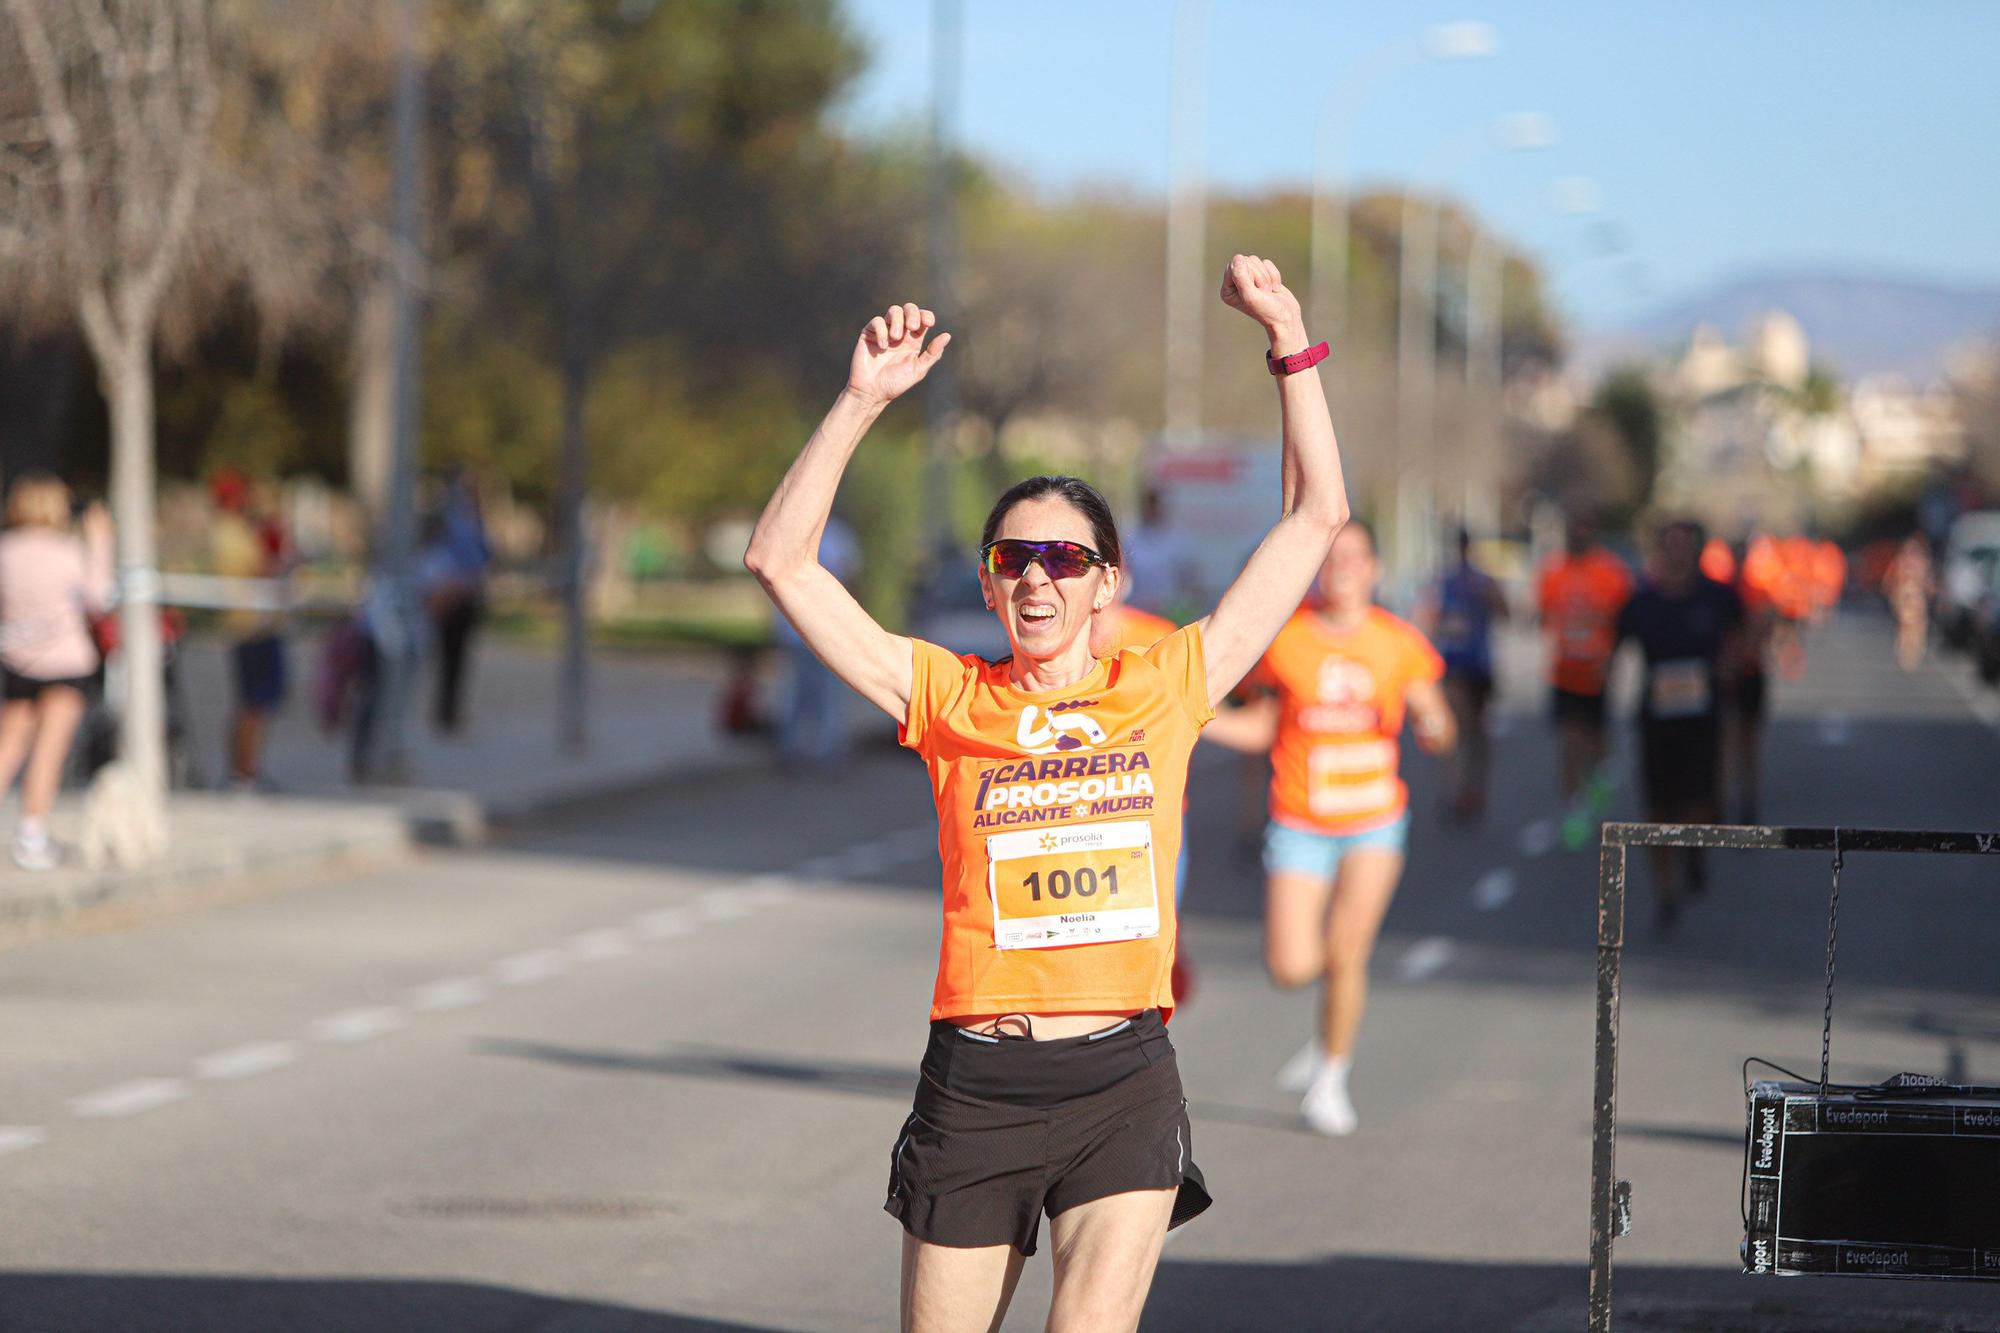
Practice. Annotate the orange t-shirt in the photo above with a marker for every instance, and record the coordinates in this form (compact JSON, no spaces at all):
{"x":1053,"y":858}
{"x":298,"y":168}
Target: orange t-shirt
{"x":1059,"y":825}
{"x":1580,"y":597}
{"x":1340,"y":709}
{"x":1135,"y":629}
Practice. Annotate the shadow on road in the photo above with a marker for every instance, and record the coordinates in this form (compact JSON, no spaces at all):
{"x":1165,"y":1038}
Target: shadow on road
{"x":1387,"y":1294}
{"x":150,"y":1303}
{"x":706,"y":1062}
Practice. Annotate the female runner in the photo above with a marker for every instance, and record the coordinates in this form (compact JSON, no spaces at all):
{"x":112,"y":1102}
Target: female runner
{"x":1049,"y":1084}
{"x":1339,"y":679}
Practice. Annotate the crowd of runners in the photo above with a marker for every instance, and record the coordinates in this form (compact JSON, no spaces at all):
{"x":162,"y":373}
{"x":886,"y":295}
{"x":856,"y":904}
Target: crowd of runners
{"x":1049,"y":1085}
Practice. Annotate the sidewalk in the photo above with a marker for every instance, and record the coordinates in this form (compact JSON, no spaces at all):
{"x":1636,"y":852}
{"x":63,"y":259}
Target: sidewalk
{"x":651,"y":721}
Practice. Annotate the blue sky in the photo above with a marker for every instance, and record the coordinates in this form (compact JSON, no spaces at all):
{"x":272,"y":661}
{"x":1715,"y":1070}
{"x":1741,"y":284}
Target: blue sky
{"x":1723,"y":137}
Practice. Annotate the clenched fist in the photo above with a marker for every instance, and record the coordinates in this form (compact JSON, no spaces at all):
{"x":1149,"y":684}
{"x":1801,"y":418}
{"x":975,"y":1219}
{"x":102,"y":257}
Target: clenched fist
{"x":1255,"y":287}
{"x":891,"y":356}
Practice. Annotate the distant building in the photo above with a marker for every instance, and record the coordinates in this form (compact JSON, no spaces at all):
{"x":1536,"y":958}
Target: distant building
{"x":1752,"y":440}
{"x":1904,"y":432}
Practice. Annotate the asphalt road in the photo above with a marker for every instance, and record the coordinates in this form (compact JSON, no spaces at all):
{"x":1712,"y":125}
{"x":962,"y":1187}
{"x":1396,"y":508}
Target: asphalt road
{"x":641,"y":1067}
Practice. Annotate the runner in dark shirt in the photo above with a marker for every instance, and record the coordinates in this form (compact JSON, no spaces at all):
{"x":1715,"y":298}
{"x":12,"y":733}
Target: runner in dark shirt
{"x":1686,"y":625}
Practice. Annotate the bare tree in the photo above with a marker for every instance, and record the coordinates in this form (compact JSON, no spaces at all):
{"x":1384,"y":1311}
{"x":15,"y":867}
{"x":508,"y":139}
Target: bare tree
{"x":140,"y":192}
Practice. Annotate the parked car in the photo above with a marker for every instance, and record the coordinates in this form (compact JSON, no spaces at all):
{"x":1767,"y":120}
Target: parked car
{"x":1983,"y":632}
{"x":1966,"y":573}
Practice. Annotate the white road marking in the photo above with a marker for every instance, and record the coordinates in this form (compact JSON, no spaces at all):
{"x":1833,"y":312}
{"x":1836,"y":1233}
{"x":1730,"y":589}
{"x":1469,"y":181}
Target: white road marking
{"x":722,"y":905}
{"x":527,"y":969}
{"x":13,"y":1138}
{"x":1538,"y":838}
{"x":449,"y":993}
{"x":664,"y":923}
{"x":1835,"y":729}
{"x":1493,"y":890}
{"x":595,"y":946}
{"x":767,"y":891}
{"x":129,"y":1098}
{"x":865,"y":861}
{"x":1982,"y":704}
{"x":257,"y":1057}
{"x":352,"y":1025}
{"x":1426,"y":958}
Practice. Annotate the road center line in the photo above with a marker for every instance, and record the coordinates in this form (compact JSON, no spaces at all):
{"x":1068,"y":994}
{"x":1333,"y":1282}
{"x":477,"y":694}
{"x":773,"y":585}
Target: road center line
{"x":352,"y":1025}
{"x":767,"y":891}
{"x":449,"y":993}
{"x":129,"y":1098}
{"x":664,"y":923}
{"x":257,"y":1057}
{"x":13,"y":1138}
{"x":1426,"y":958}
{"x":527,"y":969}
{"x":722,"y":905}
{"x":1493,"y":889}
{"x":595,"y":946}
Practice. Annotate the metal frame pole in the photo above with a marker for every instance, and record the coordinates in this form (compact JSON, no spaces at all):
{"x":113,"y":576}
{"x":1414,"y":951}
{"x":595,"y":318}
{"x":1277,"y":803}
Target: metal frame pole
{"x":1604,"y":1081}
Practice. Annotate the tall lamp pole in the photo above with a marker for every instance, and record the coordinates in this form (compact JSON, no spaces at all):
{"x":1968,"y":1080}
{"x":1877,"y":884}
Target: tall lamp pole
{"x":394,"y":557}
{"x":1187,"y":205}
{"x":940,"y":386}
{"x":1416,"y":354}
{"x":1326,"y":299}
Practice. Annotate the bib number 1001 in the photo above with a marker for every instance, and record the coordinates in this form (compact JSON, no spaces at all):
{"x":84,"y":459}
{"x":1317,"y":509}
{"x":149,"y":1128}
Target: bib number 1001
{"x":1083,"y":882}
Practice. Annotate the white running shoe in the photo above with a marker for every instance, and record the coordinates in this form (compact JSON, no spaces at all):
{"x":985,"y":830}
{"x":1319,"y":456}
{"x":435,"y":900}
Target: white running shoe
{"x":1296,"y":1075}
{"x":35,"y":852}
{"x":1327,"y":1108}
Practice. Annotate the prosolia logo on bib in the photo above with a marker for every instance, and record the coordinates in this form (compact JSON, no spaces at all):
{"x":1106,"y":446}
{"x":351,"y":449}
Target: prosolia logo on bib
{"x":1066,"y":729}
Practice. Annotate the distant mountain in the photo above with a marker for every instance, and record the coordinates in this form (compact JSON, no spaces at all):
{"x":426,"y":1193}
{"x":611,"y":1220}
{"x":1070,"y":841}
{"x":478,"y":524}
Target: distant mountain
{"x":1857,"y":324}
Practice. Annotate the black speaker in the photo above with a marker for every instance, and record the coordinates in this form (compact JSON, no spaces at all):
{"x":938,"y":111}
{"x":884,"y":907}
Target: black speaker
{"x":1897,"y":1179}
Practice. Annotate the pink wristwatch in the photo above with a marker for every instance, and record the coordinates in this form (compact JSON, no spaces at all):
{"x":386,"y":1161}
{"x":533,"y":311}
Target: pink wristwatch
{"x":1297,"y":361}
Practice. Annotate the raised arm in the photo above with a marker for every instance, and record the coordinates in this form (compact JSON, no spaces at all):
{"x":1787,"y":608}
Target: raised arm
{"x":888,"y":360}
{"x":1314,"y":504}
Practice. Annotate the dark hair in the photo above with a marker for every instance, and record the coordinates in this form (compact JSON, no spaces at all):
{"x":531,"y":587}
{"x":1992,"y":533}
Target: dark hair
{"x":1081,"y":495}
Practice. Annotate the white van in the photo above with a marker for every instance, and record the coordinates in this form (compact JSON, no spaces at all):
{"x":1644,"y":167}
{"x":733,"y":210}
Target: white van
{"x":1965,"y":572}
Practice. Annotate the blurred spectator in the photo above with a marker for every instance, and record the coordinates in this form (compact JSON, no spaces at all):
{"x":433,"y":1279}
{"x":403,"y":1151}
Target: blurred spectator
{"x":51,"y":583}
{"x":249,"y":542}
{"x":451,"y":571}
{"x":811,"y":732}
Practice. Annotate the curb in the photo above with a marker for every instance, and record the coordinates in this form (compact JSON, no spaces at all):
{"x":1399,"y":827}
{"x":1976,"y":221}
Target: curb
{"x":379,"y":827}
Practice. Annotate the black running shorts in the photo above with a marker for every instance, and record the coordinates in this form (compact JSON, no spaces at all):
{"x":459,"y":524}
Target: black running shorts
{"x":1569,"y":706}
{"x":1680,"y":761}
{"x":1005,"y":1130}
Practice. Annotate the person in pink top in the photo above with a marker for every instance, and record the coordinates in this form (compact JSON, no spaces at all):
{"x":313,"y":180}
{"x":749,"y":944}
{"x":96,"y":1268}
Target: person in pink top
{"x":50,"y":584}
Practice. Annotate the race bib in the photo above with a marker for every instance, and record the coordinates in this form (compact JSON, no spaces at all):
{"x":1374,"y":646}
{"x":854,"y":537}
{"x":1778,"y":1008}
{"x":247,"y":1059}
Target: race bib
{"x":1091,"y":884}
{"x":1351,"y":777}
{"x":1680,"y":688}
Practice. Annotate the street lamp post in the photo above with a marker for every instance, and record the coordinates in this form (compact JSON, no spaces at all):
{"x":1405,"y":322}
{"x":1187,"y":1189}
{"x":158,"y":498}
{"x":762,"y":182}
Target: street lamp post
{"x":1187,"y":205}
{"x":940,"y":386}
{"x":1416,"y":347}
{"x":1326,"y":300}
